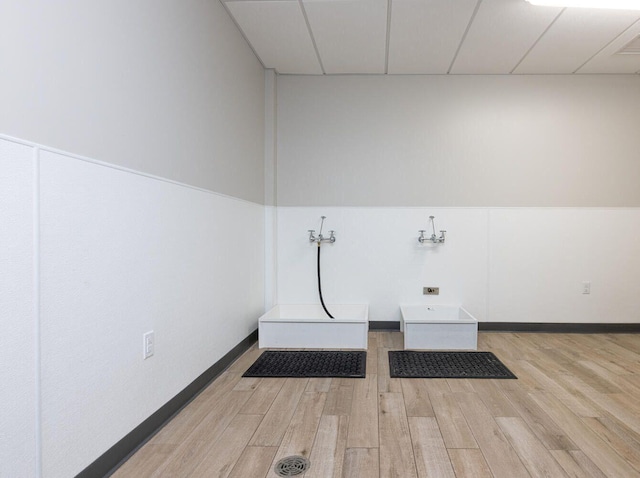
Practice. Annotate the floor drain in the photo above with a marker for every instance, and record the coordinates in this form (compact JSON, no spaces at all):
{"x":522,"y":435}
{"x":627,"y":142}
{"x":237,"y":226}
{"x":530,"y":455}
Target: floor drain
{"x":292,"y":466}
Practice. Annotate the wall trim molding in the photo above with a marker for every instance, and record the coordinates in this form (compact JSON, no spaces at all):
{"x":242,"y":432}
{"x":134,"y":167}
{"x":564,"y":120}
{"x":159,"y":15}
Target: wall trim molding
{"x":560,"y":328}
{"x":384,"y":325}
{"x":546,"y":327}
{"x":115,"y":456}
{"x":117,"y":167}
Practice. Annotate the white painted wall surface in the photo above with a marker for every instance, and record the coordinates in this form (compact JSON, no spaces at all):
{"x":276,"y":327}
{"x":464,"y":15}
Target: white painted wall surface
{"x":18,"y":389}
{"x":539,"y":259}
{"x":270,"y":187}
{"x":119,"y":253}
{"x":501,"y":264}
{"x":473,"y":141}
{"x":535,"y":178}
{"x":169,"y":88}
{"x":122,"y":254}
{"x":377,"y":259}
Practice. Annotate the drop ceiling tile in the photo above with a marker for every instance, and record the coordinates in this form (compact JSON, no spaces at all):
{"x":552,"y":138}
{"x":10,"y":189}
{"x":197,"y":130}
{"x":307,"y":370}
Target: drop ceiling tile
{"x":278,"y":33}
{"x":608,"y":60}
{"x":425,"y":34}
{"x":350,"y":35}
{"x":577,"y":35}
{"x":501,"y":34}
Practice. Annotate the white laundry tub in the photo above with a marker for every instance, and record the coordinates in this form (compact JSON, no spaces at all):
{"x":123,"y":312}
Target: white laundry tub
{"x":307,"y":326}
{"x":438,"y":327}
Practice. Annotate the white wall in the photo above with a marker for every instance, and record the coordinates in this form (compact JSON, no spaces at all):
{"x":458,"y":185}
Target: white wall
{"x":377,"y":259}
{"x":502,"y":264}
{"x":169,"y":96}
{"x":270,"y":187}
{"x":18,"y":321}
{"x":535,"y":178}
{"x":458,"y":140}
{"x":169,"y":88}
{"x":120,"y":253}
{"x":539,"y":257}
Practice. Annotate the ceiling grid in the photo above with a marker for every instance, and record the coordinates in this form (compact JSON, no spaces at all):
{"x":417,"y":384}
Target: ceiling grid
{"x":464,"y":36}
{"x":388,"y":39}
{"x":537,"y":41}
{"x":313,"y":40}
{"x":602,"y":49}
{"x":329,"y":37}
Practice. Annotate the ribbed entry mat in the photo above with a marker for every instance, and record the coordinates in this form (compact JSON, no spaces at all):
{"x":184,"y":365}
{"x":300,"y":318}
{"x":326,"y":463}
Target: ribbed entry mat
{"x":410,"y":364}
{"x":309,"y":364}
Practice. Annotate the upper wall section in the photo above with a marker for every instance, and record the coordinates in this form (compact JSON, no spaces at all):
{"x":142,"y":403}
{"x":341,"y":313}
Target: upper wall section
{"x":168,"y":88}
{"x":458,"y":141}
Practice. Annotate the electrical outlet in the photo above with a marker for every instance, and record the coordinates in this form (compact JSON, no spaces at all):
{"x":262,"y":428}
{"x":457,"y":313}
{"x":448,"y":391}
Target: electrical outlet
{"x":148,"y":344}
{"x":431,"y":291}
{"x":586,"y":287}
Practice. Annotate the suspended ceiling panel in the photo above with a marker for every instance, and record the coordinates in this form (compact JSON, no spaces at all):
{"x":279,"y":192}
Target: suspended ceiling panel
{"x":608,"y":59}
{"x":425,"y":34}
{"x":434,"y":37}
{"x":501,"y":34}
{"x":278,"y":33}
{"x":573,"y":39}
{"x":350,"y":35}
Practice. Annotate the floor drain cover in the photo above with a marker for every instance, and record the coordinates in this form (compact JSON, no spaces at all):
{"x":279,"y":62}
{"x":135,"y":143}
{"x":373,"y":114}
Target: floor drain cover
{"x":292,"y":466}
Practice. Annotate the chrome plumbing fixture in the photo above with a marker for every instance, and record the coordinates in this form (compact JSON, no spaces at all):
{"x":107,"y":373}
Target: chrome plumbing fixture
{"x":320,"y":238}
{"x":435,"y":239}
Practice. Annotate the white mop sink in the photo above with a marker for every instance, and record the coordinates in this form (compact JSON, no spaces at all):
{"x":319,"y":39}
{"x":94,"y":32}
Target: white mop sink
{"x":438,"y":327}
{"x":308,"y":327}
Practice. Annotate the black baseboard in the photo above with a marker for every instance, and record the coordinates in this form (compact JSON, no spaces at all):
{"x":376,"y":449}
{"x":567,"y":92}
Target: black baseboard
{"x":110,"y":460}
{"x":559,"y":328}
{"x":384,"y":325}
{"x":121,"y":451}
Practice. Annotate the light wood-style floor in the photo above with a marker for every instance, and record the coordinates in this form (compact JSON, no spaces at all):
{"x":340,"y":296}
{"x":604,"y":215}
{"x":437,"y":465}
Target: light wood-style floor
{"x":574,"y":411}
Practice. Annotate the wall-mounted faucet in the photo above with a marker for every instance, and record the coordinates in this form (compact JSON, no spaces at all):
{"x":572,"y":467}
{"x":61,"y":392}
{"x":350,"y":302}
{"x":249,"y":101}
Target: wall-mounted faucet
{"x":433,"y":238}
{"x":320,"y":238}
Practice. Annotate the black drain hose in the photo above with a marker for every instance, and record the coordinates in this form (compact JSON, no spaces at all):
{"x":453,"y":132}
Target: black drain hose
{"x":320,"y":286}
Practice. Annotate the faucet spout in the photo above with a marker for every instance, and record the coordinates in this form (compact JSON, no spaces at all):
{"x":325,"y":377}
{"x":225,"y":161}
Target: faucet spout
{"x":319,"y":239}
{"x":433,"y":237}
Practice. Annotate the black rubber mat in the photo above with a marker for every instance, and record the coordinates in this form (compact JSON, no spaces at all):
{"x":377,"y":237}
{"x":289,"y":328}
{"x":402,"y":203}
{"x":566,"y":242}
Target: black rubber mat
{"x":347,"y":364}
{"x":410,"y":364}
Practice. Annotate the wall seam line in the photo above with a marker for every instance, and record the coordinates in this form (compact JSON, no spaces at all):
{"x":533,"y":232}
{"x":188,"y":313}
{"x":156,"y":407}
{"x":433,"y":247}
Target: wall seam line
{"x":36,"y":304}
{"x":488,"y":287}
{"x":274,"y":248}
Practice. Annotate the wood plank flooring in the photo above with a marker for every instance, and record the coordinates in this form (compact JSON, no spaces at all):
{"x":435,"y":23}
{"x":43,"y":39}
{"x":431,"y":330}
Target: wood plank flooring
{"x":573,"y":412}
